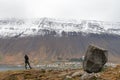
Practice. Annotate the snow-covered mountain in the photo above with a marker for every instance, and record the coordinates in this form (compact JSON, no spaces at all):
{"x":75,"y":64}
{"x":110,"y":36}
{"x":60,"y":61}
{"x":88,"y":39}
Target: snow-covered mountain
{"x":53,"y":39}
{"x":42,"y":26}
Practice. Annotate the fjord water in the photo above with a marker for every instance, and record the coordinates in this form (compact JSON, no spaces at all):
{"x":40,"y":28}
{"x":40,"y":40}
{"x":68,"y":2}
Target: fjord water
{"x":9,"y":67}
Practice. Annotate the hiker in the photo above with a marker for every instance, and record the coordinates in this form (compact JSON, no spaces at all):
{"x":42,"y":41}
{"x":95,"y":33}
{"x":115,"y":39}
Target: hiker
{"x":27,"y":62}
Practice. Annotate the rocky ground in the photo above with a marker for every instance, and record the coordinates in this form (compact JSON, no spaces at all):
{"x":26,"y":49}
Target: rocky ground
{"x":108,"y":73}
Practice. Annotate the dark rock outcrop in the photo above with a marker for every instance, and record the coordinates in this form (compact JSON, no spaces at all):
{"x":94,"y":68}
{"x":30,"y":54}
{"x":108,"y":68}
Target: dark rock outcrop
{"x":95,"y":58}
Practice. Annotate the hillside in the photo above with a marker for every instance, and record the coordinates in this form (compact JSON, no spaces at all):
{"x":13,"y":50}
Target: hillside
{"x":110,"y":73}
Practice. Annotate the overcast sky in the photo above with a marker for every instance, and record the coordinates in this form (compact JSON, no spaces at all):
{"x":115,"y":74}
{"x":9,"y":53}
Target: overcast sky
{"x":104,"y":10}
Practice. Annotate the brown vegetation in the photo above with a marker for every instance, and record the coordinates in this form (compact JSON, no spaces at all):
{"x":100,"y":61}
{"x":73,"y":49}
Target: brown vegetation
{"x":110,"y":73}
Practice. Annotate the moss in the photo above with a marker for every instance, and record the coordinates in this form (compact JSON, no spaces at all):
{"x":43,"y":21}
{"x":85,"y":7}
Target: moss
{"x":0,"y":57}
{"x":68,"y":79}
{"x":12,"y":77}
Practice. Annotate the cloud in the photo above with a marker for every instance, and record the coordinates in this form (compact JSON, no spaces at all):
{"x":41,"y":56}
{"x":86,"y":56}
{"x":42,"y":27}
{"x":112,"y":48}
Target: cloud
{"x":105,"y":10}
{"x":12,"y":8}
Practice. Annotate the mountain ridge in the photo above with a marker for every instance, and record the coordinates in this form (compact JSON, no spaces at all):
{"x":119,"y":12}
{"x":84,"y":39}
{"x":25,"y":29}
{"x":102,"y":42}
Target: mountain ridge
{"x":43,"y":26}
{"x":49,"y":39}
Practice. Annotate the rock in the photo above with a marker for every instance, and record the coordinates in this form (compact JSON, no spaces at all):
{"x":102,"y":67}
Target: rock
{"x":68,"y":77}
{"x":94,"y":60}
{"x":63,"y":74}
{"x":79,"y":73}
{"x":87,"y":76}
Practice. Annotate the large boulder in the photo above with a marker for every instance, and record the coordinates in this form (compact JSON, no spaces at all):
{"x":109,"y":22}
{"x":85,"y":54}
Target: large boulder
{"x":94,"y":59}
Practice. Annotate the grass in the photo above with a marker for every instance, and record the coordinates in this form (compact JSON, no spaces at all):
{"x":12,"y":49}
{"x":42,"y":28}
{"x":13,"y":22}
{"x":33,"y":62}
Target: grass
{"x":108,"y":74}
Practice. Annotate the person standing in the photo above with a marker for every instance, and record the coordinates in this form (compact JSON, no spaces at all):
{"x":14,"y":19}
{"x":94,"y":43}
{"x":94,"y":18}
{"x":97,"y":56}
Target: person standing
{"x":27,"y":61}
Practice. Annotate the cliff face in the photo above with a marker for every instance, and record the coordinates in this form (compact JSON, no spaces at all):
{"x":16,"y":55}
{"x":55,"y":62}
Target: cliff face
{"x":50,"y":47}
